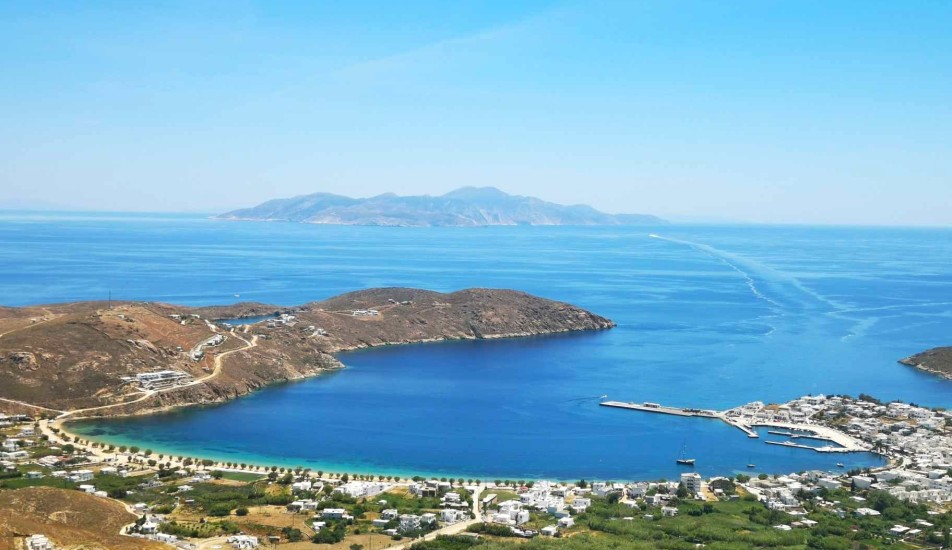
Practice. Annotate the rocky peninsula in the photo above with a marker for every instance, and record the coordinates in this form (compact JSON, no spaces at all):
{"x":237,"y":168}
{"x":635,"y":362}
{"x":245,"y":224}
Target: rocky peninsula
{"x":96,"y":358}
{"x":937,"y":361}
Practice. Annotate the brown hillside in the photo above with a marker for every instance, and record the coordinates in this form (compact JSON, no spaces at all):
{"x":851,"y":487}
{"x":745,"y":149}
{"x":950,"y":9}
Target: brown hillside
{"x":72,"y":356}
{"x":73,"y":520}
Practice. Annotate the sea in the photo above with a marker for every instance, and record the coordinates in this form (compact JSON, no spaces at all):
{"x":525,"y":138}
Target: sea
{"x":709,"y":316}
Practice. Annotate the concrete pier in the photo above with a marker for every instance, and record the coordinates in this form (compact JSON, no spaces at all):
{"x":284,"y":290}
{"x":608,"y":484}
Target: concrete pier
{"x":660,"y":409}
{"x":827,"y":449}
{"x":681,"y":411}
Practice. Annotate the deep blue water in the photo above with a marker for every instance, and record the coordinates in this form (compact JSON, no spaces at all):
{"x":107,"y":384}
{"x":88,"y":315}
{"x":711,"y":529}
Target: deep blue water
{"x":709,"y":316}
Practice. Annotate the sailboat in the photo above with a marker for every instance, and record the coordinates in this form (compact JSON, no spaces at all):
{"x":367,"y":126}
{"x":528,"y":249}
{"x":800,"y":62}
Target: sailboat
{"x":750,"y":464}
{"x":682,"y":459}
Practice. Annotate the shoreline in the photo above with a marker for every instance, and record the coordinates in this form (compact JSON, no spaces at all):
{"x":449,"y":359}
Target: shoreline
{"x":930,"y":370}
{"x":334,"y":471}
{"x":260,"y":464}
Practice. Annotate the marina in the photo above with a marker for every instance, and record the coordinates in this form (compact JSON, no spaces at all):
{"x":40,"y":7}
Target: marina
{"x":840,"y":442}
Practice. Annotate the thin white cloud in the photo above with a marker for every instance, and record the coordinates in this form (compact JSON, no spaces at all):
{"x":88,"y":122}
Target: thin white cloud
{"x":442,"y":51}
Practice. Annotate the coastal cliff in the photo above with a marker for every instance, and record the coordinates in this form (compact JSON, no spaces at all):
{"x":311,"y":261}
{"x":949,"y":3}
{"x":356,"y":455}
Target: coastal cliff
{"x":84,"y":357}
{"x":937,"y":361}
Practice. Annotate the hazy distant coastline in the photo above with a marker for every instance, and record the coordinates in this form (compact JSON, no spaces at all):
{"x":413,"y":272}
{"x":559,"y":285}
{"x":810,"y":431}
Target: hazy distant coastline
{"x":464,"y":207}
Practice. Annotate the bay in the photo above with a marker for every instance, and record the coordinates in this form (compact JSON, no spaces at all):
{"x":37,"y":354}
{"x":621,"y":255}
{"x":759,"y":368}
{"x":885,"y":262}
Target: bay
{"x":709,"y":316}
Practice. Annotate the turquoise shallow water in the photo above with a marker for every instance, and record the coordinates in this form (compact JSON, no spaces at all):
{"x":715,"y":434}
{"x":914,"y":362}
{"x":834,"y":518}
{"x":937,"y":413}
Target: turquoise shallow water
{"x":708,"y":317}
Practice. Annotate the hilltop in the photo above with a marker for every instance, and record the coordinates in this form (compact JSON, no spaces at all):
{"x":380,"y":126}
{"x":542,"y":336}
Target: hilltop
{"x":84,"y":356}
{"x":936,"y":360}
{"x":466,"y":207}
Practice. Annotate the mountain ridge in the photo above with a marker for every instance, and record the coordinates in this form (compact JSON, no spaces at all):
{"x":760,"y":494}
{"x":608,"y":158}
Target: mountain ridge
{"x":463,"y":207}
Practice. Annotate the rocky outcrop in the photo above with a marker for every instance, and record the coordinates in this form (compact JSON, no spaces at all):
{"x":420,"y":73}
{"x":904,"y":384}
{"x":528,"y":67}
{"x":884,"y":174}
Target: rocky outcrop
{"x":23,"y":360}
{"x":937,"y":361}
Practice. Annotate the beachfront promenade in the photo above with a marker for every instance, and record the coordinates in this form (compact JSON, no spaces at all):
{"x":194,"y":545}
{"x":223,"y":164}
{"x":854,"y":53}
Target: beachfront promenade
{"x":839,"y":441}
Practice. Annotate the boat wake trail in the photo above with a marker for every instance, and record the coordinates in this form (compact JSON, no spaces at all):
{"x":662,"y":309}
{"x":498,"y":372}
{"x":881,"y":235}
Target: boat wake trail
{"x":781,"y":291}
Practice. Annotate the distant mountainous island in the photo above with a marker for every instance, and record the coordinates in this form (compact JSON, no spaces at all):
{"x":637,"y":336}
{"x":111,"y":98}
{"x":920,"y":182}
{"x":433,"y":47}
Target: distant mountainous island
{"x":464,"y":207}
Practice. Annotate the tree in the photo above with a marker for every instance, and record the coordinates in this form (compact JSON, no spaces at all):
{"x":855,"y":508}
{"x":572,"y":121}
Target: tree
{"x":356,"y":546}
{"x":242,"y":511}
{"x":682,"y":491}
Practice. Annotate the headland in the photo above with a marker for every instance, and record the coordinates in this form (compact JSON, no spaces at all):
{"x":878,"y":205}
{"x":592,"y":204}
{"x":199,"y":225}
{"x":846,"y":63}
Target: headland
{"x":119,"y":358}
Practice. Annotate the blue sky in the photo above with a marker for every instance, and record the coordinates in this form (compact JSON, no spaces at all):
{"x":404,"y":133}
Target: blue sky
{"x":762,"y":111}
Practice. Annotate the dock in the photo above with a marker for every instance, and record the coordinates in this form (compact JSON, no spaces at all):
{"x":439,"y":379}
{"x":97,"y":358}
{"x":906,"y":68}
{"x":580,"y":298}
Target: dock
{"x":660,"y":409}
{"x":826,"y":449}
{"x":681,"y":411}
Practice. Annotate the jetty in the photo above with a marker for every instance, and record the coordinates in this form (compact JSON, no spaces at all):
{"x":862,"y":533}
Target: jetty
{"x":824,"y":449}
{"x":681,"y":411}
{"x":661,"y":409}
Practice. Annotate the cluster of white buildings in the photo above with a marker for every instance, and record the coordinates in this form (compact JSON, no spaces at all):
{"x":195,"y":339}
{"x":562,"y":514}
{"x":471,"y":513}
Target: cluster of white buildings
{"x":916,"y":438}
{"x":9,"y":420}
{"x":557,"y":500}
{"x":306,"y":486}
{"x":285,"y":319}
{"x":13,"y":448}
{"x":198,"y":352}
{"x":415,"y":522}
{"x":159,"y":379}
{"x":365,"y":313}
{"x":359,"y":489}
{"x":429,"y":488}
{"x":242,"y":542}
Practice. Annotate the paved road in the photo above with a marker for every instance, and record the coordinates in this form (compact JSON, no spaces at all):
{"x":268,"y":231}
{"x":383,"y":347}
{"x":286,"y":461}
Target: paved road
{"x":218,"y":363}
{"x":150,"y":393}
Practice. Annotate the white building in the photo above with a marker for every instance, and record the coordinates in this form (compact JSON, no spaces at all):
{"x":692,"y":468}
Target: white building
{"x":692,"y":482}
{"x":81,"y":475}
{"x":240,"y":542}
{"x":38,"y":542}
{"x":409,"y":522}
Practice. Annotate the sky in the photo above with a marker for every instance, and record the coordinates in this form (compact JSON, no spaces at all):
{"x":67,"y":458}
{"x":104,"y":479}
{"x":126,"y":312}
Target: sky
{"x":762,"y":111}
